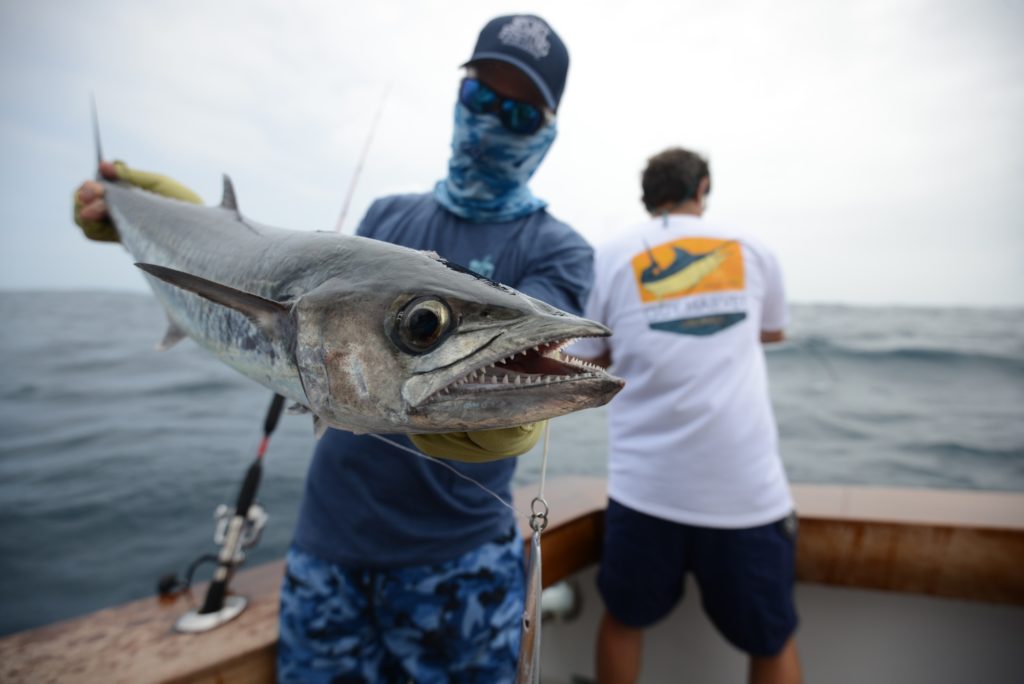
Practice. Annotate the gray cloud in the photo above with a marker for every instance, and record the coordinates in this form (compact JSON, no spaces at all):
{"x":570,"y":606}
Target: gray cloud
{"x":875,"y":145}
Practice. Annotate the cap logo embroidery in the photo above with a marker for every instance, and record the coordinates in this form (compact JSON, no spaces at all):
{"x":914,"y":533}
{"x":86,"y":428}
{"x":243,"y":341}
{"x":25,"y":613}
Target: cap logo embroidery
{"x":527,"y":34}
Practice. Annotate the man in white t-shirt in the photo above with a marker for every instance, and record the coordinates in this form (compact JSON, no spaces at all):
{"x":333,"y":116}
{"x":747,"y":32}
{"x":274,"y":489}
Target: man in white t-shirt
{"x":695,"y":481}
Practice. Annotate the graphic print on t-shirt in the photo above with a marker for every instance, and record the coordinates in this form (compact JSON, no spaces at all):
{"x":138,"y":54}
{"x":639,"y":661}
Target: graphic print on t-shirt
{"x":692,"y":286}
{"x":484,"y":267}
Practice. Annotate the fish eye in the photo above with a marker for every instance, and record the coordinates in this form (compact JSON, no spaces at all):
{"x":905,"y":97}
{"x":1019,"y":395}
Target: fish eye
{"x":422,"y":324}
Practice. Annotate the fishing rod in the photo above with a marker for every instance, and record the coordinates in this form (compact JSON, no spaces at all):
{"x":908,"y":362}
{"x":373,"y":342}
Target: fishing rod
{"x":96,"y":133}
{"x":235,"y":532}
{"x":362,"y":159}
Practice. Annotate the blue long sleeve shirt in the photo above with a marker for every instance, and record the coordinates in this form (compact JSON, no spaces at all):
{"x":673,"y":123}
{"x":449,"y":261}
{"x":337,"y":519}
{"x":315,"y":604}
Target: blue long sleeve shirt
{"x":369,"y":504}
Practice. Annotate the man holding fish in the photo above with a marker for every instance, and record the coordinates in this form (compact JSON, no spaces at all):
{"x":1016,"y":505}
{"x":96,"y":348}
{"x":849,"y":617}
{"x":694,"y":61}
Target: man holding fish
{"x":402,"y":569}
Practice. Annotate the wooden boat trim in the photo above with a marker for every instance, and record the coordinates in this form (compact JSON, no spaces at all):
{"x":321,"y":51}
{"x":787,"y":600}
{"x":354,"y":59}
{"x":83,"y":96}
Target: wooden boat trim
{"x":965,"y":545}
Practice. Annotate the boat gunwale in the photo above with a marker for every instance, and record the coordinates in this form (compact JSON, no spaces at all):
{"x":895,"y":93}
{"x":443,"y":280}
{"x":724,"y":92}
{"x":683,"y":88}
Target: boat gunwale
{"x":946,"y":544}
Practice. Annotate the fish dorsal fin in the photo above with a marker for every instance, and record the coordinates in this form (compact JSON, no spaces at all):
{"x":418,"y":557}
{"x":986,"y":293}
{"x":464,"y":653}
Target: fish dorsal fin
{"x":173,"y":336}
{"x":268,"y":315}
{"x":228,"y":199}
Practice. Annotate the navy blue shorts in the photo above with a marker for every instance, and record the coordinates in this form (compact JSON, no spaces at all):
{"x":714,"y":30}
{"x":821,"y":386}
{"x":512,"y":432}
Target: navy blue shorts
{"x":745,"y":575}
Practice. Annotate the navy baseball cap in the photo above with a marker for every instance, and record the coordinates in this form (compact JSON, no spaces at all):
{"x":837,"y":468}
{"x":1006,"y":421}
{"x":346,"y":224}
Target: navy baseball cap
{"x":528,"y":43}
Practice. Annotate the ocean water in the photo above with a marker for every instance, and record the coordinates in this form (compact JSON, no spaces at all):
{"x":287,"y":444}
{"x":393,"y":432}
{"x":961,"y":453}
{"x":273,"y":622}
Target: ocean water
{"x":113,"y":456}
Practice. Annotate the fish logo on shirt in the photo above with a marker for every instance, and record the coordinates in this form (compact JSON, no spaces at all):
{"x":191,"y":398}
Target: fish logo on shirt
{"x":689,"y":269}
{"x":688,"y":266}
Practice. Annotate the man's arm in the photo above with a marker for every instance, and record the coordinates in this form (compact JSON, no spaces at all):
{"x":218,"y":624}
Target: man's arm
{"x":775,"y":312}
{"x":563,"y":277}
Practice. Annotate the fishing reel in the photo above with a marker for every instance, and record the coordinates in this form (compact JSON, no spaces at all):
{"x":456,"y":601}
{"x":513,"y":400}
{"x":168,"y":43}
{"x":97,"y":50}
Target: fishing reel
{"x":249,"y":535}
{"x":236,"y":530}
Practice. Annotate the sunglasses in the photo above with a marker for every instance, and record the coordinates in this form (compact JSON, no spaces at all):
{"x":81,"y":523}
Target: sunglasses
{"x":515,"y":115}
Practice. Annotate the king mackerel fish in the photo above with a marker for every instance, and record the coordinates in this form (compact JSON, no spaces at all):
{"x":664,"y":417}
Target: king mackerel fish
{"x":369,"y":336}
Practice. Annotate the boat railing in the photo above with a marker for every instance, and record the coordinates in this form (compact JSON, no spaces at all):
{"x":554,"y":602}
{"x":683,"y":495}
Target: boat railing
{"x":955,"y":544}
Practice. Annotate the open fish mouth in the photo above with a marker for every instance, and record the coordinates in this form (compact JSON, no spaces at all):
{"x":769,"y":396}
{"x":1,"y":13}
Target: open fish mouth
{"x":541,"y":365}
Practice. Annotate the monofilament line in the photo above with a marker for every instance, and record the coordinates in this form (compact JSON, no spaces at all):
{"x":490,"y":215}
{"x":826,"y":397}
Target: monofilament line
{"x":440,"y":462}
{"x":544,"y":459}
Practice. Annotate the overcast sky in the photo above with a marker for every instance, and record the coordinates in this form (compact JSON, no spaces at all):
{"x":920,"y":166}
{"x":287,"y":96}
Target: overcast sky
{"x":877,"y":145}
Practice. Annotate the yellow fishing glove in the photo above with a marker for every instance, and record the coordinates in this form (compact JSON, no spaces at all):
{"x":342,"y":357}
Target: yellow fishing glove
{"x":100,"y":231}
{"x":480,"y":446}
{"x":104,"y":231}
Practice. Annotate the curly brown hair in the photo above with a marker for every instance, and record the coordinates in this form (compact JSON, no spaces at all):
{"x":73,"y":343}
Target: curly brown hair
{"x":672,"y":177}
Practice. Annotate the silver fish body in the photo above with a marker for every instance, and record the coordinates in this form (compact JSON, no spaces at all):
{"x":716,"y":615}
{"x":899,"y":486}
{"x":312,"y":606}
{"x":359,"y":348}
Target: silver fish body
{"x":370,"y":336}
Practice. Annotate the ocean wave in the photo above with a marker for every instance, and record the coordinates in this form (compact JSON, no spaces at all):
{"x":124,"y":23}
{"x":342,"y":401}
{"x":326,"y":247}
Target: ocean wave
{"x":956,"y":449}
{"x":822,"y":347}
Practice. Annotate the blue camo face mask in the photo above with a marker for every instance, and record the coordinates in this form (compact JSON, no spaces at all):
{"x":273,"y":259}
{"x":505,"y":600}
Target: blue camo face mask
{"x":490,"y":167}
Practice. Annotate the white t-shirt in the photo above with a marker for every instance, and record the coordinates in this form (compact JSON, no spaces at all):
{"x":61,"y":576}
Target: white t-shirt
{"x":692,"y":436}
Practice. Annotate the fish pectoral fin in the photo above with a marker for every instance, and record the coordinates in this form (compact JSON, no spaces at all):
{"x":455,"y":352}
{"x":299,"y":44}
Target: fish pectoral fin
{"x":173,"y":336}
{"x":265,"y":313}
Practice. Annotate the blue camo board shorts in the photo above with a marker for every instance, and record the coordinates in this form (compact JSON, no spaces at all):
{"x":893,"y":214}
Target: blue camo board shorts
{"x":457,"y":621}
{"x":745,"y":576}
